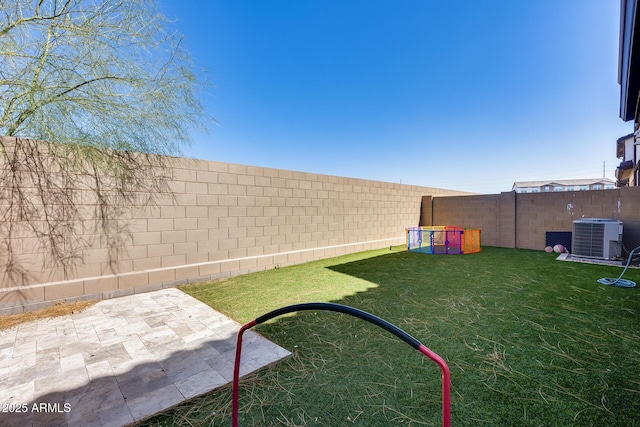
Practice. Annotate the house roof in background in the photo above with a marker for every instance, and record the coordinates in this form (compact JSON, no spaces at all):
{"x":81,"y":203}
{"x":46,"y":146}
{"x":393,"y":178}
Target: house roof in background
{"x":565,"y":182}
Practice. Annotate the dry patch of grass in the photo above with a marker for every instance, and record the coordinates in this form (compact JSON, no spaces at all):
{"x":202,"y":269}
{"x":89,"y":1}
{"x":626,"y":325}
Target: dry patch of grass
{"x":59,"y":309}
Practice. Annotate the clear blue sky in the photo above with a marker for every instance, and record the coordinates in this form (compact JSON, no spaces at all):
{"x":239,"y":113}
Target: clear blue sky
{"x":470,"y":95}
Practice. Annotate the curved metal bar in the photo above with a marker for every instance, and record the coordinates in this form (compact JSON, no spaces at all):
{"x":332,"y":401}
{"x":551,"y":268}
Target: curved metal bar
{"x":446,"y":377}
{"x":346,"y":310}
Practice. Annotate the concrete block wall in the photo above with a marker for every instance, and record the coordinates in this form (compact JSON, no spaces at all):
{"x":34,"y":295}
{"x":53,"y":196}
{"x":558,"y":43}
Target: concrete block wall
{"x":521,"y":220}
{"x":426,"y":210}
{"x":630,"y":216}
{"x":222,"y":220}
{"x":538,"y":213}
{"x":473,"y":211}
{"x":506,"y":220}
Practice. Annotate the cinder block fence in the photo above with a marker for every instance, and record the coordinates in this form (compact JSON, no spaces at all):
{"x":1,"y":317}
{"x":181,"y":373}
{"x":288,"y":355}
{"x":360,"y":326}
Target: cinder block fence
{"x":513,"y":220}
{"x":223,"y":220}
{"x":226,"y":219}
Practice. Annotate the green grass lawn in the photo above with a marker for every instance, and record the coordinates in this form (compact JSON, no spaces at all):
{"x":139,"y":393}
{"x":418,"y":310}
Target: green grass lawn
{"x":530,"y":341}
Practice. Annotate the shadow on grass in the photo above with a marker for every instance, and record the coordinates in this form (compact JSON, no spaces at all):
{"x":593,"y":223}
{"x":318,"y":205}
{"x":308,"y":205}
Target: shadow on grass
{"x":135,"y":392}
{"x":530,"y":341}
{"x":120,"y":361}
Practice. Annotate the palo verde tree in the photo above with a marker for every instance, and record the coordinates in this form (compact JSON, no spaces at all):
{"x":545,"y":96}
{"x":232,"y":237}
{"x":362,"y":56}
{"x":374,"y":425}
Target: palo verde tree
{"x":90,"y":92}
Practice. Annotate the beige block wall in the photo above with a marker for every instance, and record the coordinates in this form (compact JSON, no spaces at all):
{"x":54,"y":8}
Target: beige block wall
{"x":492,"y":213}
{"x":630,"y":216}
{"x":222,"y":220}
{"x":542,"y":212}
{"x":522,"y":220}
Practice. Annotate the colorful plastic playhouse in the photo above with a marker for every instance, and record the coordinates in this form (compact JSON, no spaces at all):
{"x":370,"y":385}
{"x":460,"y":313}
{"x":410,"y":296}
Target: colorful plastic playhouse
{"x":443,"y":239}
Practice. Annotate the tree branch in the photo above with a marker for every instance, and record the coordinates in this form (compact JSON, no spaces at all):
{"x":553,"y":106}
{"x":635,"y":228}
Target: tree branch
{"x":13,"y":129}
{"x":36,"y":17}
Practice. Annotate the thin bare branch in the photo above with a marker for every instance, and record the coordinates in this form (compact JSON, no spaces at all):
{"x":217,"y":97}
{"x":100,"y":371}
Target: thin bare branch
{"x":87,"y":89}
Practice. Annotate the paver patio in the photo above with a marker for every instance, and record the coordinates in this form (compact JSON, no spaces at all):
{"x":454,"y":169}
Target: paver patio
{"x":120,"y":360}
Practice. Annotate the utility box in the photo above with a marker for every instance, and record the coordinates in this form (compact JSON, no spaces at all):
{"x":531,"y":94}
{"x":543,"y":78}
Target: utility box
{"x":599,"y":238}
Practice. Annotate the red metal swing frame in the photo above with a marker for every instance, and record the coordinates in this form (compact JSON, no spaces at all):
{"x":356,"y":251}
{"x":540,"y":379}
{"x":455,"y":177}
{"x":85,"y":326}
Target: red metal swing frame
{"x":446,"y":377}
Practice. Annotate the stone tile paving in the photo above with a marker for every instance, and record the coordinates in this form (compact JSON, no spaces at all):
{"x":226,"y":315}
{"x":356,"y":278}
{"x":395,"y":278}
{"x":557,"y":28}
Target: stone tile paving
{"x":120,"y":361}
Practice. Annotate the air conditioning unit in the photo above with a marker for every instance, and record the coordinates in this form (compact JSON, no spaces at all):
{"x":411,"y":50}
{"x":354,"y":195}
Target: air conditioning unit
{"x":597,"y":238}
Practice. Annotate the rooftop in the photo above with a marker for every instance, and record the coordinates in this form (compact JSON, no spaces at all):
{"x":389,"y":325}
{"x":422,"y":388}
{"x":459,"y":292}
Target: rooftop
{"x":585,"y":181}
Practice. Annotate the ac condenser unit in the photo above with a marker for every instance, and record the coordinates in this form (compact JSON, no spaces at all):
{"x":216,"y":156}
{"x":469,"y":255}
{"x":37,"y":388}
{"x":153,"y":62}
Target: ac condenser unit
{"x":597,"y":238}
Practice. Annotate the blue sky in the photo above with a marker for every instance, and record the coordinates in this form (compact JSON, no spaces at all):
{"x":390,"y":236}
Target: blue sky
{"x":469,"y":95}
